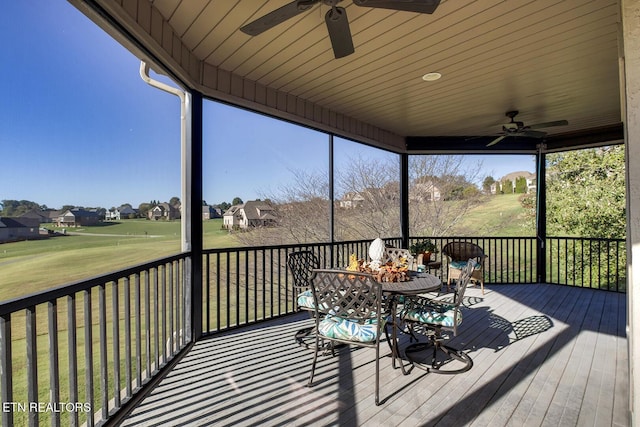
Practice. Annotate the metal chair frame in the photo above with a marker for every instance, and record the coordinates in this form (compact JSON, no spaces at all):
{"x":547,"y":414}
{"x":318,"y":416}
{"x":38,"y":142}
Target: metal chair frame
{"x":301,"y":265}
{"x":434,"y":331}
{"x":347,"y":295}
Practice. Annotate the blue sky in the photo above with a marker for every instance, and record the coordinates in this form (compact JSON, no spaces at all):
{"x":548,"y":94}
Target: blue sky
{"x":78,"y":126}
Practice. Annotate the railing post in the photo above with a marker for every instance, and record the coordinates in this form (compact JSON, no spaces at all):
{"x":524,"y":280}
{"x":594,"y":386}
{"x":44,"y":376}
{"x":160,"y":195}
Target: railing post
{"x":88,"y":356}
{"x":193,"y":267}
{"x":331,"y":202}
{"x":6,"y":370}
{"x":404,"y":199}
{"x":32,"y":363}
{"x":54,"y":373}
{"x":541,"y":216}
{"x":72,"y":348}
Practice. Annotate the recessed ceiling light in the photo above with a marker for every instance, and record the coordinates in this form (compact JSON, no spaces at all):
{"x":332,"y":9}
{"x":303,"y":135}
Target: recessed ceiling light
{"x":429,"y":77}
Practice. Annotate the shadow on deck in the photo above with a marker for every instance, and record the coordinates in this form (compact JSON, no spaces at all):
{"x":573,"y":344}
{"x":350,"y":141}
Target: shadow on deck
{"x":543,"y":354}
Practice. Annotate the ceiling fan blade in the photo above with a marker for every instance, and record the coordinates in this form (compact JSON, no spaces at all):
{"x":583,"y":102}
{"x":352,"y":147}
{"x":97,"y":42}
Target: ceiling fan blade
{"x":278,"y":16}
{"x":339,"y":32}
{"x":549,"y":124}
{"x":532,"y":133}
{"x":419,"y":6}
{"x":495,"y":141}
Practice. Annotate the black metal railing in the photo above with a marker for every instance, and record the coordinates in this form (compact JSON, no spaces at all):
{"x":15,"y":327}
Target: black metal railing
{"x":574,"y":261}
{"x":508,"y":259}
{"x":249,"y":284}
{"x":587,"y":262}
{"x":75,"y":354}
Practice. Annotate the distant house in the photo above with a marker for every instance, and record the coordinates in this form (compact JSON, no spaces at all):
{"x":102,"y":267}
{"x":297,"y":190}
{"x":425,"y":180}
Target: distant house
{"x":209,"y":212}
{"x":250,"y":214}
{"x":123,"y":212}
{"x":370,"y":195}
{"x":53,"y":214}
{"x":42,"y":216}
{"x":45,"y":216}
{"x":15,"y":229}
{"x":351,"y":199}
{"x":164,"y":211}
{"x":424,"y":190}
{"x":78,"y":217}
{"x":510,"y":179}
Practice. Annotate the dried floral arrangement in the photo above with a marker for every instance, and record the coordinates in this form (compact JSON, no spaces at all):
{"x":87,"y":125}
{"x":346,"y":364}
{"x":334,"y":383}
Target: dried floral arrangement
{"x":389,"y":272}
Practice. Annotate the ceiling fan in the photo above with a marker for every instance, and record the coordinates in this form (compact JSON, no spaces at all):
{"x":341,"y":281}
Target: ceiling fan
{"x":514,"y":128}
{"x":335,"y":18}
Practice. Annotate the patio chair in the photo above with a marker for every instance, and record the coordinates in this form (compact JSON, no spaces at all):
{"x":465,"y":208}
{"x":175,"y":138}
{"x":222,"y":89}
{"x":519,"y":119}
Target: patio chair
{"x":459,"y":253}
{"x":348,"y":311}
{"x":394,"y":254}
{"x":431,"y":317}
{"x":301,"y":264}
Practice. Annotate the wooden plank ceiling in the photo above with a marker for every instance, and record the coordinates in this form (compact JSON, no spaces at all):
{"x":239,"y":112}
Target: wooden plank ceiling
{"x":549,"y":59}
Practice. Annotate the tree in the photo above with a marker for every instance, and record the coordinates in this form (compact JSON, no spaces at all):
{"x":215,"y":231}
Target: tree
{"x":375,"y":183}
{"x":301,"y":209}
{"x":521,"y":185}
{"x":586,"y":198}
{"x":528,"y":217}
{"x":144,"y":208}
{"x":174,"y":201}
{"x":454,"y":178}
{"x":302,"y":206}
{"x":487,"y":183}
{"x":237,"y":201}
{"x":224,"y":206}
{"x":586,"y":193}
{"x":507,"y":187}
{"x":17,"y":207}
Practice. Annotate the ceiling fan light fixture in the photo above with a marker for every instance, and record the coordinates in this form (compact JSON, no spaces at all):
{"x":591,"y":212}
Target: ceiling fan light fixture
{"x":431,"y":77}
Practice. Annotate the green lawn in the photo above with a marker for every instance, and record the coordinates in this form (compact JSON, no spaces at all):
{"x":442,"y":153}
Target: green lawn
{"x":501,"y":215}
{"x":34,"y":265}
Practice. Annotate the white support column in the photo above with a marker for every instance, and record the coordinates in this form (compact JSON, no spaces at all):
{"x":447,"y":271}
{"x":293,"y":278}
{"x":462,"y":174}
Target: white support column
{"x":630,"y":69}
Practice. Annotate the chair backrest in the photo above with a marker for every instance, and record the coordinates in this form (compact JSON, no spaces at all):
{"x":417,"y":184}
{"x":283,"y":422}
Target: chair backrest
{"x":393,"y":254}
{"x":462,"y":251}
{"x":301,"y":264}
{"x":463,"y":281}
{"x":347,"y":294}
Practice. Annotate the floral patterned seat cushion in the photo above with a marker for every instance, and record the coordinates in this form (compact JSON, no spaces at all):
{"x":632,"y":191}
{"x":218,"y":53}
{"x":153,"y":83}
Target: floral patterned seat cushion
{"x":435,"y":314}
{"x":345,"y":329}
{"x":305,"y":299}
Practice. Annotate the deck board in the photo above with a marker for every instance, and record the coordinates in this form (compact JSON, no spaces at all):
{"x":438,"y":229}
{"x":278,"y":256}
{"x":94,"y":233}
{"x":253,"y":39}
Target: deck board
{"x":572,"y":373}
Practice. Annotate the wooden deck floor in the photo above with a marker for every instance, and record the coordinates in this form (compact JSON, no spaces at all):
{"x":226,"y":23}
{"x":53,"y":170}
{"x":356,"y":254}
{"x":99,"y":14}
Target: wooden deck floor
{"x":543,"y":355}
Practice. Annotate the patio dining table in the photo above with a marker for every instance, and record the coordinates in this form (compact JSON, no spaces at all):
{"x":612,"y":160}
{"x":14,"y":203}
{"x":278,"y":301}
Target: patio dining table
{"x":419,"y":283}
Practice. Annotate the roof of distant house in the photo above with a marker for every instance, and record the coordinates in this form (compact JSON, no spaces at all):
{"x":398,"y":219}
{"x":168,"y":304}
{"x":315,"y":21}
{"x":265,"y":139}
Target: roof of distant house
{"x":6,"y":222}
{"x":82,"y":212}
{"x":33,"y":213}
{"x":519,"y":174}
{"x":253,"y":209}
